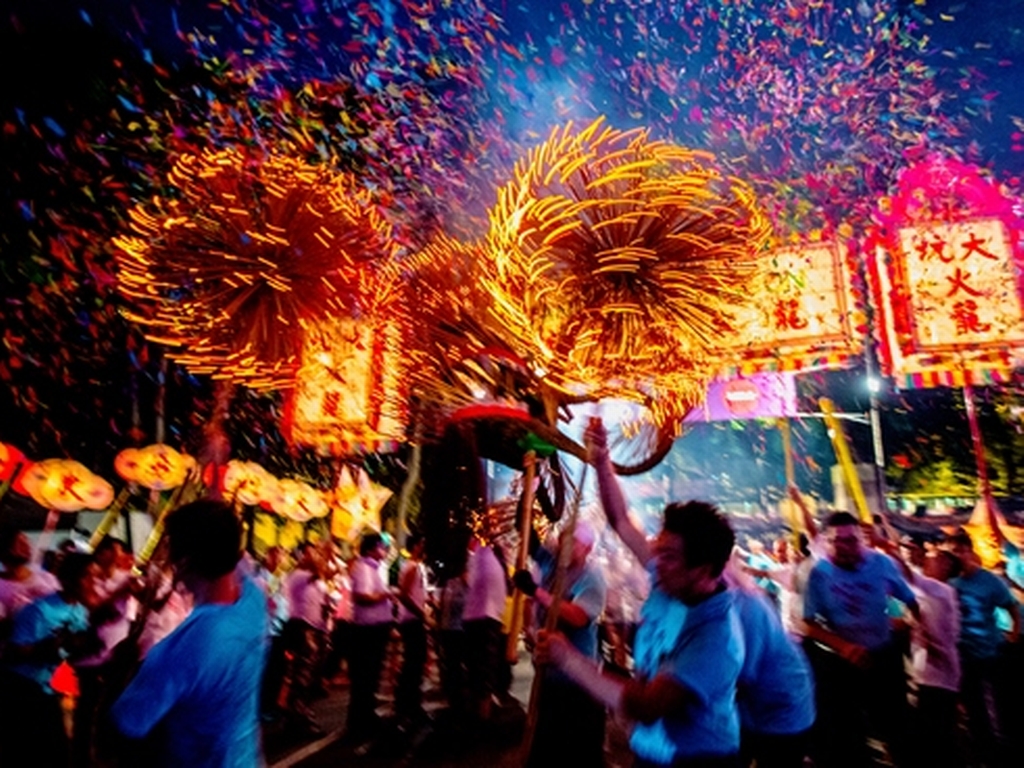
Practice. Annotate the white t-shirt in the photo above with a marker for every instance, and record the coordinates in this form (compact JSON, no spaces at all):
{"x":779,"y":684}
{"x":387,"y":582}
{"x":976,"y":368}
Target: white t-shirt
{"x":15,"y":595}
{"x":486,"y":590}
{"x":417,"y":590}
{"x":114,"y":631}
{"x":307,"y":596}
{"x":369,"y":577}
{"x":935,"y":660}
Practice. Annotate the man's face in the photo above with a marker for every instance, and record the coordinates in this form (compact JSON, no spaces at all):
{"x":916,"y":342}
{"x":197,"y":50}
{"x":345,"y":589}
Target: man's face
{"x":86,"y":588}
{"x":19,"y":553}
{"x":937,"y":566}
{"x":674,"y":576}
{"x":845,"y":545}
{"x":109,"y":557}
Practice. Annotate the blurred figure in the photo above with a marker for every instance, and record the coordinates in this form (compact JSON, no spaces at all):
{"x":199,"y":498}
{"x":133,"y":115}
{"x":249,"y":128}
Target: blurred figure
{"x":372,"y":618}
{"x":452,"y":641}
{"x":486,"y":592}
{"x":565,"y":708}
{"x":862,"y":681}
{"x":935,"y":660}
{"x":981,"y":594}
{"x":20,"y":582}
{"x":197,"y":692}
{"x":304,"y":637}
{"x":46,"y":632}
{"x":412,"y":626}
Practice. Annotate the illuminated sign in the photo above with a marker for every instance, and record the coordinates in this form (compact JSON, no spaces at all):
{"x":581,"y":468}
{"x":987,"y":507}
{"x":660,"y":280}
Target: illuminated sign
{"x":950,"y":303}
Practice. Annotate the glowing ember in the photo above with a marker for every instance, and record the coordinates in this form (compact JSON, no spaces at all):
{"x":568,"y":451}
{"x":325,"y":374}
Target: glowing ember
{"x":618,"y":264}
{"x":230,"y":269}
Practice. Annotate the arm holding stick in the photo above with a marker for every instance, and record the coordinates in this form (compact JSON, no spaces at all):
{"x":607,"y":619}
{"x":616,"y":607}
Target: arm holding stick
{"x":612,"y":500}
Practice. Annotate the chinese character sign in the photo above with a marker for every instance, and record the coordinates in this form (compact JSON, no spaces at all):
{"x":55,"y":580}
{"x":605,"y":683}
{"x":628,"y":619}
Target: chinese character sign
{"x":950,"y":303}
{"x":807,"y":314}
{"x":349,"y":396}
{"x":961,"y":286}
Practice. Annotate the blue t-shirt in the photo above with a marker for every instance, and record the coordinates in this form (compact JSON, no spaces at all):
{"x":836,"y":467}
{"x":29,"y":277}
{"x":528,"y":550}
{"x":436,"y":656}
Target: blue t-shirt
{"x":201,"y":684}
{"x":980,"y":596}
{"x":701,"y":646}
{"x":776,"y":688}
{"x":854,"y":604}
{"x":1014,"y":564}
{"x":586,"y":589}
{"x":42,"y":619}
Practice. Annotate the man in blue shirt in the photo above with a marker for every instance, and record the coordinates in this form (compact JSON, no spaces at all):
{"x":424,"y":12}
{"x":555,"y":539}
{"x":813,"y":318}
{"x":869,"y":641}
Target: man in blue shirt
{"x":201,"y":684}
{"x":861,"y":675}
{"x":570,"y":725}
{"x":689,"y":645}
{"x":981,"y":593}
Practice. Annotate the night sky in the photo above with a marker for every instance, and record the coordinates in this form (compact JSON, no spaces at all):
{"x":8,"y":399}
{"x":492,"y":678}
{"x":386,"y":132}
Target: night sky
{"x":818,"y":104}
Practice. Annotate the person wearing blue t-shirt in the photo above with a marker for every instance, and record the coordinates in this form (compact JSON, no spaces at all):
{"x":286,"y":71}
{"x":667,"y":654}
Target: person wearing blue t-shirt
{"x":981,"y":594}
{"x":776,"y":687}
{"x":688,"y":660}
{"x":198,"y":690}
{"x":570,"y":724}
{"x":52,"y":629}
{"x":861,"y":678}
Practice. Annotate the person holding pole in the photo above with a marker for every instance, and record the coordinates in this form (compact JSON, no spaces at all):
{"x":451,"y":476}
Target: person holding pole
{"x":198,"y":691}
{"x":689,"y":647}
{"x":570,"y":724}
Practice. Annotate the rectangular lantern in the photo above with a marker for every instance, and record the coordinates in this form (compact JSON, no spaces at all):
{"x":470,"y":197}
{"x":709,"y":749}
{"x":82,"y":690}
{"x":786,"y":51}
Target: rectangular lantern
{"x":950,"y":304}
{"x":807,"y":313}
{"x":350,"y":391}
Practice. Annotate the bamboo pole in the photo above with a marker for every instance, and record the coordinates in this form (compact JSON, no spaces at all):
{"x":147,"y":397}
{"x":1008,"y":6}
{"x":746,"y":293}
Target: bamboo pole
{"x":551,"y":621}
{"x":110,"y":518}
{"x":525,"y":526}
{"x":842,"y":449}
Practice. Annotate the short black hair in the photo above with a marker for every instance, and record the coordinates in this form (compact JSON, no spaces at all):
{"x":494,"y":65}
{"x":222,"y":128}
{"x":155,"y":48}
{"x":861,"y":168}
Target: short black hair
{"x":208,"y":534}
{"x":370,"y":542}
{"x":962,"y":539}
{"x":412,"y":540}
{"x":108,"y":542}
{"x":708,"y":539}
{"x":8,"y":535}
{"x":72,"y":569}
{"x":839,"y":519}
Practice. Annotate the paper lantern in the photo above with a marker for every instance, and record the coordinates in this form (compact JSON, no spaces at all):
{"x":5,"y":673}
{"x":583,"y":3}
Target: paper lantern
{"x":351,"y":389}
{"x":248,"y":482}
{"x":67,"y":486}
{"x":806,"y":313}
{"x":157,"y":467}
{"x":162,"y":468}
{"x":358,"y":502}
{"x":10,"y":458}
{"x":946,"y":277}
{"x":126,"y":464}
{"x":299,"y":501}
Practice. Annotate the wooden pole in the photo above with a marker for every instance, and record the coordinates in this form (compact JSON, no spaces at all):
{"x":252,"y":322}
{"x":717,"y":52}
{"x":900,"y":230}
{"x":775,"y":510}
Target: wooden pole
{"x":525,"y":526}
{"x":984,"y":483}
{"x":110,"y":518}
{"x":842,"y":449}
{"x":551,"y":621}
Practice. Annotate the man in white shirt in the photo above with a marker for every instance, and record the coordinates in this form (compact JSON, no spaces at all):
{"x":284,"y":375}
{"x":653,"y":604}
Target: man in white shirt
{"x":304,"y":636}
{"x":486,"y":592}
{"x":935,"y":659}
{"x":20,"y":582}
{"x":372,"y":617}
{"x":412,"y":625}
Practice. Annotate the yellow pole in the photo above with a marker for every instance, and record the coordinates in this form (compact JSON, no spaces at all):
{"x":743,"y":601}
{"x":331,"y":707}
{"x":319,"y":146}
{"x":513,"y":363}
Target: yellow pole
{"x":110,"y":518}
{"x":525,"y":525}
{"x":842,"y":449}
{"x":786,"y":505}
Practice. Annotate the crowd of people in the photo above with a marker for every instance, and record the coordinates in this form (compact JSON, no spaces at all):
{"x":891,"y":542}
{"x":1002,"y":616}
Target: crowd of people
{"x":845,"y":646}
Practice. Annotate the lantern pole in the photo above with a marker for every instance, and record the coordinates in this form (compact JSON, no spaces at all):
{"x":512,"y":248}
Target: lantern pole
{"x":525,"y":526}
{"x":984,"y":483}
